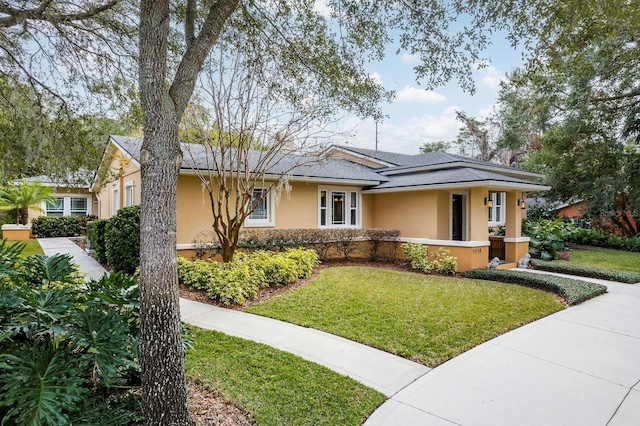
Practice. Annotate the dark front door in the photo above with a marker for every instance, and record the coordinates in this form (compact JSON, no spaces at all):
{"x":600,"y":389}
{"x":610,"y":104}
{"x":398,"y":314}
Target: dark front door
{"x":457,"y":220}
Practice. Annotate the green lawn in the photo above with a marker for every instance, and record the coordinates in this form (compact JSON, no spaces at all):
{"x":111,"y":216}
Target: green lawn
{"x":32,"y":247}
{"x":428,"y":319}
{"x":607,"y":259}
{"x":276,"y":387}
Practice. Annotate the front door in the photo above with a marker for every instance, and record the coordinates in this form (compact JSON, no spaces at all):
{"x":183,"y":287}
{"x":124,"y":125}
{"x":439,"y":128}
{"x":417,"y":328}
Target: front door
{"x":457,"y":217}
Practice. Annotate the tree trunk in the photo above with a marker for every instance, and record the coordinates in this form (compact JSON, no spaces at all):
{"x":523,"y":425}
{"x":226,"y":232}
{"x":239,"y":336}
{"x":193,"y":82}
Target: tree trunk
{"x":164,"y":392}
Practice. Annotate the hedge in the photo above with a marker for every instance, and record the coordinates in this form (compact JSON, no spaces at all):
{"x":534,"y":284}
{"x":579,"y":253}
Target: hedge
{"x":96,"y":234}
{"x":122,"y":240}
{"x":587,"y":271}
{"x":591,"y":237}
{"x":52,"y":226}
{"x":571,"y":291}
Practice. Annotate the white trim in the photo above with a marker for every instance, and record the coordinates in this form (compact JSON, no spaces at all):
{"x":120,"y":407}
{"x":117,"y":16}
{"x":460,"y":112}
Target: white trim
{"x":131,"y":157}
{"x":270,"y":221}
{"x":465,"y":214}
{"x":449,"y":243}
{"x":358,"y":155}
{"x":66,"y":203}
{"x":130,"y":185}
{"x":115,"y":202}
{"x":498,"y":185}
{"x":347,"y":209}
{"x":304,"y":179}
{"x":517,"y":240}
{"x":186,"y":246}
{"x":502,"y":196}
{"x":458,"y":164}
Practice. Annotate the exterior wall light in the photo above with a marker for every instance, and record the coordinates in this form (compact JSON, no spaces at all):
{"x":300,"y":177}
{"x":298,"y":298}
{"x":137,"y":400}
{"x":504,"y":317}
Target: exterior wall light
{"x":488,"y":202}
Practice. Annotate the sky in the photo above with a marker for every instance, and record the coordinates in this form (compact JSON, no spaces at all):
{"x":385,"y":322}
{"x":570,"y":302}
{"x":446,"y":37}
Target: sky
{"x":417,"y":115}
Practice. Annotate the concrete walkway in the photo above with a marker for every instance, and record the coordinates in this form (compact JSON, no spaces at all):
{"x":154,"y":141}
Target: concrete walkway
{"x":580,"y":366}
{"x":63,"y":245}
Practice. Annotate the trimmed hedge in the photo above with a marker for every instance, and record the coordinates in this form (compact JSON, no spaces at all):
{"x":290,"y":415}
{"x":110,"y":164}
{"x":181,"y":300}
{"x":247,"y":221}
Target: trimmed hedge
{"x":238,"y":281}
{"x":122,"y":240}
{"x":591,"y":237}
{"x":96,"y":234}
{"x":572,"y":291}
{"x":587,"y":271}
{"x":50,"y":226}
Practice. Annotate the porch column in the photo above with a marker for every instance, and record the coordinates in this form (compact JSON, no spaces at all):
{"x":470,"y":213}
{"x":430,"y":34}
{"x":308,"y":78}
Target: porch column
{"x":515,"y":245}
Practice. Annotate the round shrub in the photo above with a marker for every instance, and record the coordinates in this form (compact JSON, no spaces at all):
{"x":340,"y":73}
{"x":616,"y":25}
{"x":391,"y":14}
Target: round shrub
{"x":122,"y":240}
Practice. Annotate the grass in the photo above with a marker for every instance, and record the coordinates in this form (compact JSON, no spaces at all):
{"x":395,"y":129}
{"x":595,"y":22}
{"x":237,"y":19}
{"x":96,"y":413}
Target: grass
{"x":606,"y":259}
{"x":32,"y":247}
{"x":276,"y":387}
{"x":428,"y":319}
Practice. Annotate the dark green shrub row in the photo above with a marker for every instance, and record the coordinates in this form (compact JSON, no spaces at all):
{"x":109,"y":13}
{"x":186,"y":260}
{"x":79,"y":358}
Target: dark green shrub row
{"x":122,"y":240}
{"x":116,"y":241}
{"x":96,"y":237}
{"x":343,"y":241}
{"x":62,"y":226}
{"x":591,"y":237}
{"x":238,"y":281}
{"x":572,"y":291}
{"x":586,"y":271}
{"x":68,"y":348}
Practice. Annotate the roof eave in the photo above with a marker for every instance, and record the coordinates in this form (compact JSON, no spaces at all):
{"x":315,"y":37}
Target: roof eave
{"x":440,"y":166}
{"x":305,"y":179}
{"x":491,"y":184}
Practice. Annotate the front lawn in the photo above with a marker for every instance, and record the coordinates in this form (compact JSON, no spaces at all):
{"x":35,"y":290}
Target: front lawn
{"x":275,"y":387}
{"x":428,"y":319}
{"x":32,"y":247}
{"x":606,"y":259}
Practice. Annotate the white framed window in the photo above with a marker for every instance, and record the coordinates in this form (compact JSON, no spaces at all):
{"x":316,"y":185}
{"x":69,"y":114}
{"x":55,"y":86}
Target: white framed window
{"x":262,"y":209}
{"x":496,"y":211}
{"x":129,"y":194}
{"x":338,"y":208}
{"x":78,"y":206}
{"x":115,"y":199}
{"x":56,"y":208}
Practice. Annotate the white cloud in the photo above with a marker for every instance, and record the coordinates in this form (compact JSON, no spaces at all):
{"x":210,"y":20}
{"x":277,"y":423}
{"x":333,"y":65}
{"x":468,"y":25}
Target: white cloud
{"x":322,"y":8}
{"x":489,"y":77}
{"x":413,"y":94}
{"x":409,"y":59}
{"x":376,"y":77}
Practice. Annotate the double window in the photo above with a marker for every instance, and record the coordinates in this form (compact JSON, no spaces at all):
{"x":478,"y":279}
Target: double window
{"x":68,"y":206}
{"x":261,"y":209}
{"x":339,"y":208}
{"x":56,"y":208}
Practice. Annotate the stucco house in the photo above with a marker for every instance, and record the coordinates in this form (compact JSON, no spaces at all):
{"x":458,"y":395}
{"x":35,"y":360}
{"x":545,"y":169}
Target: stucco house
{"x":439,"y":199}
{"x":72,"y":195}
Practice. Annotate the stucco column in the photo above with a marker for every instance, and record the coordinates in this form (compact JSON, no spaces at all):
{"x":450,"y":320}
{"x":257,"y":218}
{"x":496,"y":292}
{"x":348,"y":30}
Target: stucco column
{"x":513,"y":215}
{"x":479,"y":216}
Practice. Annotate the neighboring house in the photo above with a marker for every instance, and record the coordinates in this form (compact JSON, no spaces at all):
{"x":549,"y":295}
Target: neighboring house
{"x":72,"y":196}
{"x":438,"y":199}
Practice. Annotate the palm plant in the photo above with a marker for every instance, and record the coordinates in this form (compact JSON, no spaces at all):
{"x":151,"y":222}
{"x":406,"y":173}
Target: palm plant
{"x":23,"y":196}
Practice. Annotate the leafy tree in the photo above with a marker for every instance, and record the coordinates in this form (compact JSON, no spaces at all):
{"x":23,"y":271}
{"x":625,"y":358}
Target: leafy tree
{"x":435,"y":146}
{"x":23,"y":196}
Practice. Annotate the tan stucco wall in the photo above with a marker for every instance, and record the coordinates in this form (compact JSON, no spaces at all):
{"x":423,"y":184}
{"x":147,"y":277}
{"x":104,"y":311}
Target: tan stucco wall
{"x":515,"y":251}
{"x":479,"y":215}
{"x":128,"y":171}
{"x":514,"y":215}
{"x":63,"y":191}
{"x":414,"y":213}
{"x":299,"y":209}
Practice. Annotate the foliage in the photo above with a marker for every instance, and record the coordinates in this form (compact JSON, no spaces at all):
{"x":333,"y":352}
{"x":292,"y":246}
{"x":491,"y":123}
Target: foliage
{"x":548,"y":237}
{"x":586,"y":271}
{"x":50,"y":226}
{"x":67,"y":349}
{"x":425,"y":318}
{"x":438,"y":262}
{"x":237,"y":281}
{"x":23,"y":196}
{"x":122,"y":240}
{"x":570,"y":290}
{"x":96,"y":233}
{"x":592,"y":237}
{"x":276,"y":387}
{"x":602,"y":258}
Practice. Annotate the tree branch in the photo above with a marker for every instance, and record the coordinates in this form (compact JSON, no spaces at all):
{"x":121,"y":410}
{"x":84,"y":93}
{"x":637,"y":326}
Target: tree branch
{"x":17,"y":16}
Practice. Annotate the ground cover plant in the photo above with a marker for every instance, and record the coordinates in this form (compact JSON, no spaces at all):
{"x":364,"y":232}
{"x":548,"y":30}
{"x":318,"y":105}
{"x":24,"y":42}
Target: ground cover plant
{"x":428,"y":319}
{"x":276,"y":387}
{"x":564,"y":267}
{"x":572,"y":291}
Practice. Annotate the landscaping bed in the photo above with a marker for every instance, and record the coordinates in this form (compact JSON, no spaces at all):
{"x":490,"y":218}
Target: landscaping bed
{"x":563,"y":267}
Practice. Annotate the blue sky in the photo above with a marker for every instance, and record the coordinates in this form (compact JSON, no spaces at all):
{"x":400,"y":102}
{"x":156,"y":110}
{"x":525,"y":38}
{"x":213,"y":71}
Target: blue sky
{"x":418,"y":115}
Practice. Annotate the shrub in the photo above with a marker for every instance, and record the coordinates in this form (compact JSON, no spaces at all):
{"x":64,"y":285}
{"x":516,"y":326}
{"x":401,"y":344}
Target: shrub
{"x":122,"y":240}
{"x":50,"y":226}
{"x":586,"y":271}
{"x":571,"y":291}
{"x":379,"y":236}
{"x":591,"y":237}
{"x":238,"y":281}
{"x":547,"y":236}
{"x":96,"y":233}
{"x":439,"y":261}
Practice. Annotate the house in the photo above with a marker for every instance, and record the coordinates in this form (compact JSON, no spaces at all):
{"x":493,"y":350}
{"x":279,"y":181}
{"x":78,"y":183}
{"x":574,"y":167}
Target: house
{"x":71,"y":194}
{"x":439,"y":199}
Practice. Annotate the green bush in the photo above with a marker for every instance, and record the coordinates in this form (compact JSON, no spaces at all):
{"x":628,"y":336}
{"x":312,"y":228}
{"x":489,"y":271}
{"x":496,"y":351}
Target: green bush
{"x":50,"y":226}
{"x":571,"y":291}
{"x":67,"y":350}
{"x":122,"y":240}
{"x":591,"y":237}
{"x":96,"y":233}
{"x":548,"y":237}
{"x":587,"y":271}
{"x":238,"y":281}
{"x":438,"y":261}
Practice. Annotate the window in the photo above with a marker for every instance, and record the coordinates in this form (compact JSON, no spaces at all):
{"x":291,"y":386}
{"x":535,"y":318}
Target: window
{"x":56,"y":208}
{"x":78,"y":206}
{"x":115,"y":199}
{"x":496,"y":212}
{"x":128,"y":194}
{"x":339,"y":208}
{"x":262,"y":209}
